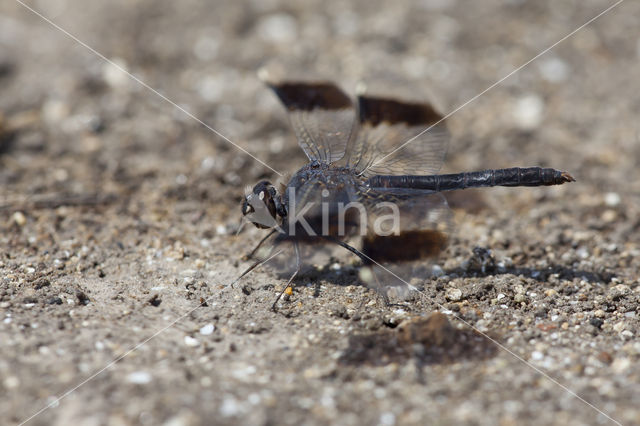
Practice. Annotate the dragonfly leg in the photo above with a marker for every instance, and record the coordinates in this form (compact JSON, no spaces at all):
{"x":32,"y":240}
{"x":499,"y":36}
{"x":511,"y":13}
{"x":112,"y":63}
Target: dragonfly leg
{"x":255,"y":249}
{"x":257,"y":263}
{"x":380,"y":290}
{"x":297,"y":250}
{"x":365,"y":259}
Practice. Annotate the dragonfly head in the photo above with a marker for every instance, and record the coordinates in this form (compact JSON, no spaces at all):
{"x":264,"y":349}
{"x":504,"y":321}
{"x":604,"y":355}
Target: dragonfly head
{"x":261,"y":205}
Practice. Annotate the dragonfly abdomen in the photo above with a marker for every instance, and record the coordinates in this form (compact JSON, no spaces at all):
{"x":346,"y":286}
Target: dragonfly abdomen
{"x":514,"y":176}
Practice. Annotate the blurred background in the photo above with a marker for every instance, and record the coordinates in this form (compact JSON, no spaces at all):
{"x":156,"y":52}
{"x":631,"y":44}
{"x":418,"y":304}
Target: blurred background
{"x":84,"y":125}
{"x":100,"y":178}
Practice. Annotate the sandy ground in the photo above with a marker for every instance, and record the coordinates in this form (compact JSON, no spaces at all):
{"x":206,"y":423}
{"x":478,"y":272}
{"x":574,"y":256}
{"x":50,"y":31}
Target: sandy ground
{"x":118,"y":212}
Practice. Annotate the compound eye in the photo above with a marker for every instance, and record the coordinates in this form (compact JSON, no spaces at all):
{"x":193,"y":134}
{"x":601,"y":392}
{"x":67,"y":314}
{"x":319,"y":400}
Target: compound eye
{"x":247,"y":208}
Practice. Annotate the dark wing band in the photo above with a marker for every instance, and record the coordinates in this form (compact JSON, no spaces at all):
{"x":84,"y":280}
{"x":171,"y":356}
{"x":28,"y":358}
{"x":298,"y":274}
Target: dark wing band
{"x":393,"y":138}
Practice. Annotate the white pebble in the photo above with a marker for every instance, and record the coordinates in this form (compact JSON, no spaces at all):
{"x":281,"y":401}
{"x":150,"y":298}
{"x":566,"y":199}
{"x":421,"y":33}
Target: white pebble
{"x":230,"y":407}
{"x":254,"y":399}
{"x":211,"y":89}
{"x":139,"y":378}
{"x":11,"y":382}
{"x":387,"y":419}
{"x":618,"y":327}
{"x":278,"y":28}
{"x":190,"y":341}
{"x":207,"y":329}
{"x":528,"y":112}
{"x":611,"y":199}
{"x":537,"y":355}
{"x":208,"y":163}
{"x":554,"y":70}
{"x":582,"y":253}
{"x":335,"y":266}
{"x":114,"y":74}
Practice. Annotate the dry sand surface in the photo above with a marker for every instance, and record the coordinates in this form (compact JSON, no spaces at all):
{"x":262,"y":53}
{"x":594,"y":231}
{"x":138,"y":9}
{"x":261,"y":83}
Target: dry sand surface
{"x":118,"y":213}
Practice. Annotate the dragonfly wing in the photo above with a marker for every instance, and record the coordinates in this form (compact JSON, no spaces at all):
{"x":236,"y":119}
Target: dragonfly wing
{"x":397,"y":138}
{"x":322,"y":116}
{"x":405,"y":224}
{"x":422,"y":222}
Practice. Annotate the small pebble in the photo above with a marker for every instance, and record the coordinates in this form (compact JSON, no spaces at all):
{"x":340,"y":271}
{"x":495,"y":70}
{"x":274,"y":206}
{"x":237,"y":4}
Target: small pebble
{"x":11,"y":382}
{"x":582,"y":253}
{"x":554,"y":70}
{"x":387,"y":419}
{"x":537,"y":355}
{"x":139,"y":378}
{"x":596,"y":322}
{"x":437,"y":271}
{"x":618,"y":327}
{"x":628,"y":335}
{"x":190,"y":341}
{"x":612,"y":199}
{"x":278,"y":28}
{"x":230,"y":407}
{"x":453,"y":294}
{"x":528,"y":112}
{"x":207,"y":329}
{"x":605,"y":357}
{"x":620,"y":365}
{"x":114,"y":74}
{"x":19,"y":219}
{"x":609,"y":216}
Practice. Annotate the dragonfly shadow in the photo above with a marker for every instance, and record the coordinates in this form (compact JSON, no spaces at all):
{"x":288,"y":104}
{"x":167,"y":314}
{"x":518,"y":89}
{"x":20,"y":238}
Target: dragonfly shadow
{"x":345,"y":276}
{"x":432,"y":340}
{"x":483,"y":264}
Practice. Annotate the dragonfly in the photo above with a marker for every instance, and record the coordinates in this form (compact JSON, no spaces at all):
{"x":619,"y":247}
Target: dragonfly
{"x":371,"y":185}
